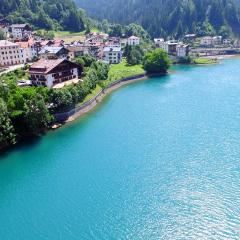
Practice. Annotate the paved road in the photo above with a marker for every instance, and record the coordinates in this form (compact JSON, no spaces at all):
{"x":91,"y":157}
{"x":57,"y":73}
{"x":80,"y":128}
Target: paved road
{"x":12,"y":68}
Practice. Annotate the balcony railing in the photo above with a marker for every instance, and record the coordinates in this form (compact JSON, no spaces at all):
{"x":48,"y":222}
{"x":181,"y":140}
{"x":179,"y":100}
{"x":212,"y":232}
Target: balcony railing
{"x":63,"y":79}
{"x":37,"y":79}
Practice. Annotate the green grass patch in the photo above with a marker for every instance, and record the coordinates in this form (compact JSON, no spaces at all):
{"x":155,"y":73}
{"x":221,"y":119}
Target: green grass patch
{"x":69,"y":37}
{"x":123,"y":70}
{"x":14,"y":76}
{"x":117,"y":72}
{"x":205,"y":60}
{"x":59,"y":34}
{"x":91,"y":95}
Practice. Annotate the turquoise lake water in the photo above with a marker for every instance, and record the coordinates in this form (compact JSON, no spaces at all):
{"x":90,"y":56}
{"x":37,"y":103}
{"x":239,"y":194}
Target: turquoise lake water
{"x":159,"y":159}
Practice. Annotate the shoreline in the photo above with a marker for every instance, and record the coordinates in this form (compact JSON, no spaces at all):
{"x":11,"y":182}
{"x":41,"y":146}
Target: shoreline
{"x":84,"y":108}
{"x":87,"y":107}
{"x":223,"y":56}
{"x":101,"y":97}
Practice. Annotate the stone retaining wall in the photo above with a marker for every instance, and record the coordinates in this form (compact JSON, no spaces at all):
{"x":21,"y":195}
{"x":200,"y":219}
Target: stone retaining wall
{"x":85,"y":107}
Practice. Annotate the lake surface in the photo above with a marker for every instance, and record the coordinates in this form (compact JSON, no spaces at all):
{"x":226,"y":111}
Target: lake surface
{"x":159,"y":159}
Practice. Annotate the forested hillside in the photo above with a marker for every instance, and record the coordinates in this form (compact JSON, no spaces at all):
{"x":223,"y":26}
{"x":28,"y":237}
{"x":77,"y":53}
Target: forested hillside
{"x":47,"y":14}
{"x":170,"y":17}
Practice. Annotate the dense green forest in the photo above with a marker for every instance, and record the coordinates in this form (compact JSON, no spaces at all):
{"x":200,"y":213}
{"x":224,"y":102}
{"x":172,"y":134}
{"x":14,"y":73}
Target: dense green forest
{"x":170,"y":17}
{"x":47,"y":14}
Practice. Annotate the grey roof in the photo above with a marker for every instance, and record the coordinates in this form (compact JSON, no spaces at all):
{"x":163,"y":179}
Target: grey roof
{"x":112,"y":49}
{"x":53,"y":50}
{"x":19,"y":25}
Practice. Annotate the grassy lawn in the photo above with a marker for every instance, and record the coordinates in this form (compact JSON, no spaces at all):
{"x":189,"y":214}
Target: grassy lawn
{"x":205,"y":60}
{"x":122,"y":70}
{"x":60,"y":34}
{"x":14,"y":76}
{"x":117,"y":71}
{"x":96,"y":30}
{"x":91,"y":95}
{"x":68,"y":36}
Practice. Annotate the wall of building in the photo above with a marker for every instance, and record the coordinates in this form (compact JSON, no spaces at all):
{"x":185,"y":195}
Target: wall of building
{"x":11,"y":55}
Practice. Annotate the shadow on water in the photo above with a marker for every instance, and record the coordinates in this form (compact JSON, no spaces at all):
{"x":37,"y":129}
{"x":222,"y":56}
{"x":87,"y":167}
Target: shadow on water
{"x":27,"y":142}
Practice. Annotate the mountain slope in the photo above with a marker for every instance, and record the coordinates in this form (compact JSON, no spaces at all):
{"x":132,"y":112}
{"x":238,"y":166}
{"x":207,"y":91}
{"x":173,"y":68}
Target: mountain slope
{"x":170,"y":17}
{"x":48,"y":14}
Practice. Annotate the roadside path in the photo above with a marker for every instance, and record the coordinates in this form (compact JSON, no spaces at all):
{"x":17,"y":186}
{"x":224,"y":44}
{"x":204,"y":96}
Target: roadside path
{"x":12,"y":68}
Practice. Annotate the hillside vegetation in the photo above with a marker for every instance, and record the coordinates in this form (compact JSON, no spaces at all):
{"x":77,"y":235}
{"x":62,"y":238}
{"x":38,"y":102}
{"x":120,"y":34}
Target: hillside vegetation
{"x":170,"y":17}
{"x":46,"y":14}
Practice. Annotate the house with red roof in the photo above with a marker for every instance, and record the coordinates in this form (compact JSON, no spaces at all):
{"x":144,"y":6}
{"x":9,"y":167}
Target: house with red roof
{"x":31,"y":48}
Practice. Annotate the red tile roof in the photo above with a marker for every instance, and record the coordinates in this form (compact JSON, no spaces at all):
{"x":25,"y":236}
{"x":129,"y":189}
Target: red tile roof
{"x":26,"y":44}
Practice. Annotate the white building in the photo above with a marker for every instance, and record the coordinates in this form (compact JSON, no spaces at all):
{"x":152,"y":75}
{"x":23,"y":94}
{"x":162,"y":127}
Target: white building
{"x":227,"y":41}
{"x":112,"y":54}
{"x":217,"y":40}
{"x":20,"y":31}
{"x":10,"y":54}
{"x":182,"y":50}
{"x":49,"y":72}
{"x":206,"y":41}
{"x":133,"y":40}
{"x":30,"y":49}
{"x":123,"y":42}
{"x":159,"y":42}
{"x":170,"y":47}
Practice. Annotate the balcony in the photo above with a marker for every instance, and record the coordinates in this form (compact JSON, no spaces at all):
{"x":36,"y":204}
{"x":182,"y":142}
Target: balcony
{"x":60,"y":79}
{"x":33,"y":78}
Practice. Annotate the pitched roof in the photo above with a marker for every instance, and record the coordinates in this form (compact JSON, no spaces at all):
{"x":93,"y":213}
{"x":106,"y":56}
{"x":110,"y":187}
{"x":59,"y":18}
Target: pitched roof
{"x":26,"y":44}
{"x":75,"y":48}
{"x":46,"y":42}
{"x":19,"y":25}
{"x":51,"y":49}
{"x":5,"y":43}
{"x":112,"y":49}
{"x":44,"y":66}
{"x":133,"y":37}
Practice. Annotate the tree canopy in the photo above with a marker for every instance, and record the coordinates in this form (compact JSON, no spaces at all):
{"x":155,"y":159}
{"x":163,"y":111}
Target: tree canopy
{"x":171,"y":17}
{"x":47,"y":14}
{"x":156,"y":61}
{"x":134,"y":54}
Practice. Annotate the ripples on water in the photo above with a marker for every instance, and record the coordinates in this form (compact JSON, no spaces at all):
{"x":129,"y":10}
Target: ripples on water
{"x":159,"y":160}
